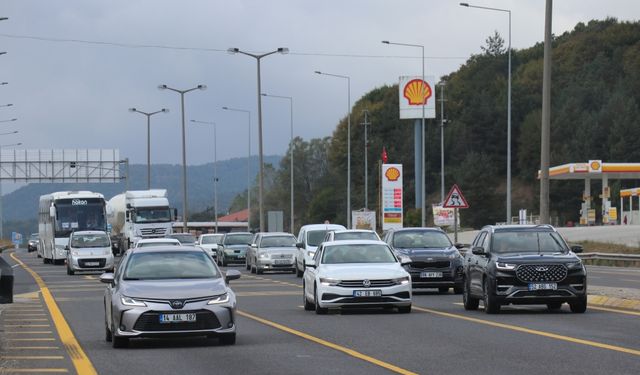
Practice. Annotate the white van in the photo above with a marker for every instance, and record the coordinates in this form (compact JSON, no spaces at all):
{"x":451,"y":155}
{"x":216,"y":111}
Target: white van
{"x":89,"y":251}
{"x":309,"y":237}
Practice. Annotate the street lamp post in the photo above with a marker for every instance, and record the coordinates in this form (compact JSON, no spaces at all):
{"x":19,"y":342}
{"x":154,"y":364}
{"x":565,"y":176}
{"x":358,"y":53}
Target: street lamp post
{"x":7,"y":105}
{"x":215,"y":168}
{"x":423,"y":194}
{"x":184,"y":150}
{"x":442,"y":121}
{"x":366,"y":123}
{"x":260,"y":152}
{"x":248,"y":160}
{"x":348,"y":141}
{"x":508,"y":108}
{"x":1,"y":212}
{"x":13,"y":119}
{"x":148,"y":114}
{"x":291,"y":227}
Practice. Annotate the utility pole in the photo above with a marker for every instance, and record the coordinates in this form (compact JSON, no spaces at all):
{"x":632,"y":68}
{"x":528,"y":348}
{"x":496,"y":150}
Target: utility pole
{"x":546,"y":118}
{"x":442,"y":100}
{"x":366,"y":167}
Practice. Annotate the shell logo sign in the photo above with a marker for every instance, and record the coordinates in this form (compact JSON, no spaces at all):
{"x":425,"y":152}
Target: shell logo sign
{"x":392,"y":174}
{"x":414,"y":93}
{"x":595,"y":166}
{"x":417,"y":92}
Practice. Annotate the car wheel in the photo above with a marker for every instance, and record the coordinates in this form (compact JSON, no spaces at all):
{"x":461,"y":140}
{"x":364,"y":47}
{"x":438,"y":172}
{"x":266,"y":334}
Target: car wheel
{"x":298,"y":272}
{"x":404,"y":309}
{"x":319,"y":310}
{"x":554,"y":305}
{"x":107,"y":332}
{"x":443,"y":289}
{"x":118,"y":342}
{"x":227,"y":338}
{"x":259,"y":271}
{"x":70,"y":271}
{"x":579,"y":306}
{"x":39,"y":256}
{"x":247,"y":265}
{"x":491,"y":306}
{"x":469,"y":303}
{"x":308,"y":306}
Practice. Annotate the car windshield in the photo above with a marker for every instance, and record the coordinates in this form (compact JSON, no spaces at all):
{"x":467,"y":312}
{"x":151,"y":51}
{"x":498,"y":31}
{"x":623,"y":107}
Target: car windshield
{"x":185,"y":239}
{"x":90,"y":240}
{"x":527,"y":242}
{"x":159,"y":265}
{"x":211,"y":239}
{"x":238,"y":239}
{"x":421,"y":239}
{"x":168,"y":243}
{"x":315,"y":237}
{"x":357,"y":253}
{"x":356,"y":236}
{"x":278,"y":241}
{"x":152,"y":215}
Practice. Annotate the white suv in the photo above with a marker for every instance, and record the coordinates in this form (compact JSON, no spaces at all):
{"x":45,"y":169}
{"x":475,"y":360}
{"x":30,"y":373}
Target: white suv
{"x":309,"y":237}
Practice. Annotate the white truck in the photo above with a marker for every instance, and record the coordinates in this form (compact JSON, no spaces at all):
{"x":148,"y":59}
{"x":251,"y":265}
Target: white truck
{"x":138,"y":214}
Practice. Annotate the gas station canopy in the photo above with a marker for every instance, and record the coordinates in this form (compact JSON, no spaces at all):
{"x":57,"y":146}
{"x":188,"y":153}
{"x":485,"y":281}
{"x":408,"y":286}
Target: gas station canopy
{"x":595,"y":170}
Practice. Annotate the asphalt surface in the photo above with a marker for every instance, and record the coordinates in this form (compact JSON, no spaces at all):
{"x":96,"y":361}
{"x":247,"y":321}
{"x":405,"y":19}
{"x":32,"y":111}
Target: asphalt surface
{"x":276,"y":335}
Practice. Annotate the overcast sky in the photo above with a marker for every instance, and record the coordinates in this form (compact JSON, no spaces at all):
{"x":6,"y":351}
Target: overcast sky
{"x":76,"y":95}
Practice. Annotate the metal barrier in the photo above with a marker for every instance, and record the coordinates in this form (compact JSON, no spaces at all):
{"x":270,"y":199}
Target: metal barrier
{"x":6,"y":282}
{"x":611,"y":256}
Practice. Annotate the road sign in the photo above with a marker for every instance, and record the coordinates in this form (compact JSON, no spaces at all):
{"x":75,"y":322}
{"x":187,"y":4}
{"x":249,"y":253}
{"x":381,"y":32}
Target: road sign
{"x":455,"y":199}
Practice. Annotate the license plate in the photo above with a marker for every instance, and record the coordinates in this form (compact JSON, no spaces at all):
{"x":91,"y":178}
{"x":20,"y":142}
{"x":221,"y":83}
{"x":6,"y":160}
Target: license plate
{"x":281,"y":261}
{"x":367,"y":293}
{"x":177,"y":318}
{"x":543,"y":286}
{"x":90,"y":264}
{"x":430,"y":275}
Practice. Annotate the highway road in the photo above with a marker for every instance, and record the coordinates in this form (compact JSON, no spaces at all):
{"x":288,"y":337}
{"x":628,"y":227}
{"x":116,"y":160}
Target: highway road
{"x":276,"y":335}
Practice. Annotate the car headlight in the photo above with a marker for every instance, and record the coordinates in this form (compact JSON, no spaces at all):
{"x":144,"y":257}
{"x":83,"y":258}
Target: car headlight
{"x":263,"y":255}
{"x":128,"y":301}
{"x":574,"y":265}
{"x":311,"y":253}
{"x":329,"y":282}
{"x":223,"y":298}
{"x":505,"y":266}
{"x":402,"y":280}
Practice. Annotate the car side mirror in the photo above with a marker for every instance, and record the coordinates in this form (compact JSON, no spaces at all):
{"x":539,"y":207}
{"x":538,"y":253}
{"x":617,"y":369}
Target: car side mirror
{"x":478,"y":250}
{"x":232,"y":275}
{"x":300,"y":245}
{"x":107,"y":278}
{"x":577,"y":248}
{"x":66,"y":247}
{"x":310,"y":264}
{"x":404,"y":260}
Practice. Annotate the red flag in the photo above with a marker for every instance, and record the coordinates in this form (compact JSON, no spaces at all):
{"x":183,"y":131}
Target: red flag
{"x":384,"y":155}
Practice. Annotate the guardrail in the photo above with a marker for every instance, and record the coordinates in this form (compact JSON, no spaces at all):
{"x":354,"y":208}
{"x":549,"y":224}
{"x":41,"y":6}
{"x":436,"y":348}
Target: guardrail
{"x":611,"y":256}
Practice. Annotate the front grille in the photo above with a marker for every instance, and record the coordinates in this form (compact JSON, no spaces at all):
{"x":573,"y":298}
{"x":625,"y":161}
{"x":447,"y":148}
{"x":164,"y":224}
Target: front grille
{"x":541,"y":272}
{"x":431,"y":264}
{"x":150,"y":321}
{"x":83,"y":263}
{"x":359,"y":283}
{"x":153,"y":232}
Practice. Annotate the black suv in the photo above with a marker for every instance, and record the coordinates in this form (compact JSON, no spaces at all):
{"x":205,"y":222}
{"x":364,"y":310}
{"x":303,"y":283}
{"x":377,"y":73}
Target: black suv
{"x":523,"y":264}
{"x":435,"y":261}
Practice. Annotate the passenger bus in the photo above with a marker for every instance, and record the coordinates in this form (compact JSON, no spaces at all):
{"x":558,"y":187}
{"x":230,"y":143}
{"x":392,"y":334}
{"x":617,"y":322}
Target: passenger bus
{"x":62,"y":213}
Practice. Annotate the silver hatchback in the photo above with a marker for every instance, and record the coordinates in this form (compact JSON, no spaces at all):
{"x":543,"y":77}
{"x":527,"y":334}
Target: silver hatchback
{"x":169,"y":291}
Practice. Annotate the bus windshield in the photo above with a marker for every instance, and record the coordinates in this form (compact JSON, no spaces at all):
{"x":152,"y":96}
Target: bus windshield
{"x":79,"y":214}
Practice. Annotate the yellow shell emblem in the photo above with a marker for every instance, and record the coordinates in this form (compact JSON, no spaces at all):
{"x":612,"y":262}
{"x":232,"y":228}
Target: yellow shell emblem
{"x":417,"y":92}
{"x":392,"y":174}
{"x":595,"y":165}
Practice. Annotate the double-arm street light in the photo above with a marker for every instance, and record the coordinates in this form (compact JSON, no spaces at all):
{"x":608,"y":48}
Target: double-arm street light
{"x":348,"y":140}
{"x":508,"y":107}
{"x":1,"y":213}
{"x":148,"y":114}
{"x":248,"y":160}
{"x":13,"y":119}
{"x":215,"y":170}
{"x":290,"y":99}
{"x":261,"y":175}
{"x":184,"y":150}
{"x":423,"y":195}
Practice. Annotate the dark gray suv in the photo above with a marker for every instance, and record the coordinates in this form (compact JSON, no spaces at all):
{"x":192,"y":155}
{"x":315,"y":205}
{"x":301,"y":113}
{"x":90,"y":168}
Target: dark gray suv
{"x":523,"y":264}
{"x":435,"y":261}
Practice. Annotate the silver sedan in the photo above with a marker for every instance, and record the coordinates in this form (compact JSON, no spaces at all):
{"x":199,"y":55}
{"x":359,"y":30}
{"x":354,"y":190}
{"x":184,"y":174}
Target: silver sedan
{"x":169,"y":291}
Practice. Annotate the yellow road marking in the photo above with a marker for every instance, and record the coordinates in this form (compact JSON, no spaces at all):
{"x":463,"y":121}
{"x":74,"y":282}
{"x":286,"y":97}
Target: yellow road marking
{"x":80,"y":360}
{"x":532,"y":331}
{"x":615,"y":310}
{"x":328,"y":344}
{"x":33,"y":370}
{"x":18,"y":357}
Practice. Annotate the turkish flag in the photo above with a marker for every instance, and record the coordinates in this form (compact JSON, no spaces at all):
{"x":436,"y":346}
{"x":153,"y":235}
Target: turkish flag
{"x":384,"y":155}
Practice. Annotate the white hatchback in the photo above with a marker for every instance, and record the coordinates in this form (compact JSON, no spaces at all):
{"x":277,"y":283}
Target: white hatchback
{"x":355,"y":273}
{"x":89,"y":251}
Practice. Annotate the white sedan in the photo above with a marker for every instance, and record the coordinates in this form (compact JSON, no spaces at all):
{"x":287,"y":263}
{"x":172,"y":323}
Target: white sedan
{"x":356,"y":273}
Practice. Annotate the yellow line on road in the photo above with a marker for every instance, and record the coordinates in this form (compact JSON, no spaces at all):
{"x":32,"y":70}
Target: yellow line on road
{"x":532,"y":331}
{"x":615,"y":310}
{"x":32,"y":370}
{"x":20,"y":357}
{"x":80,"y":360}
{"x":328,"y":344}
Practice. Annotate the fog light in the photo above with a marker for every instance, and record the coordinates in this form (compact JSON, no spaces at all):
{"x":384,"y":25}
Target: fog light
{"x":123,"y":328}
{"x":230,"y":325}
